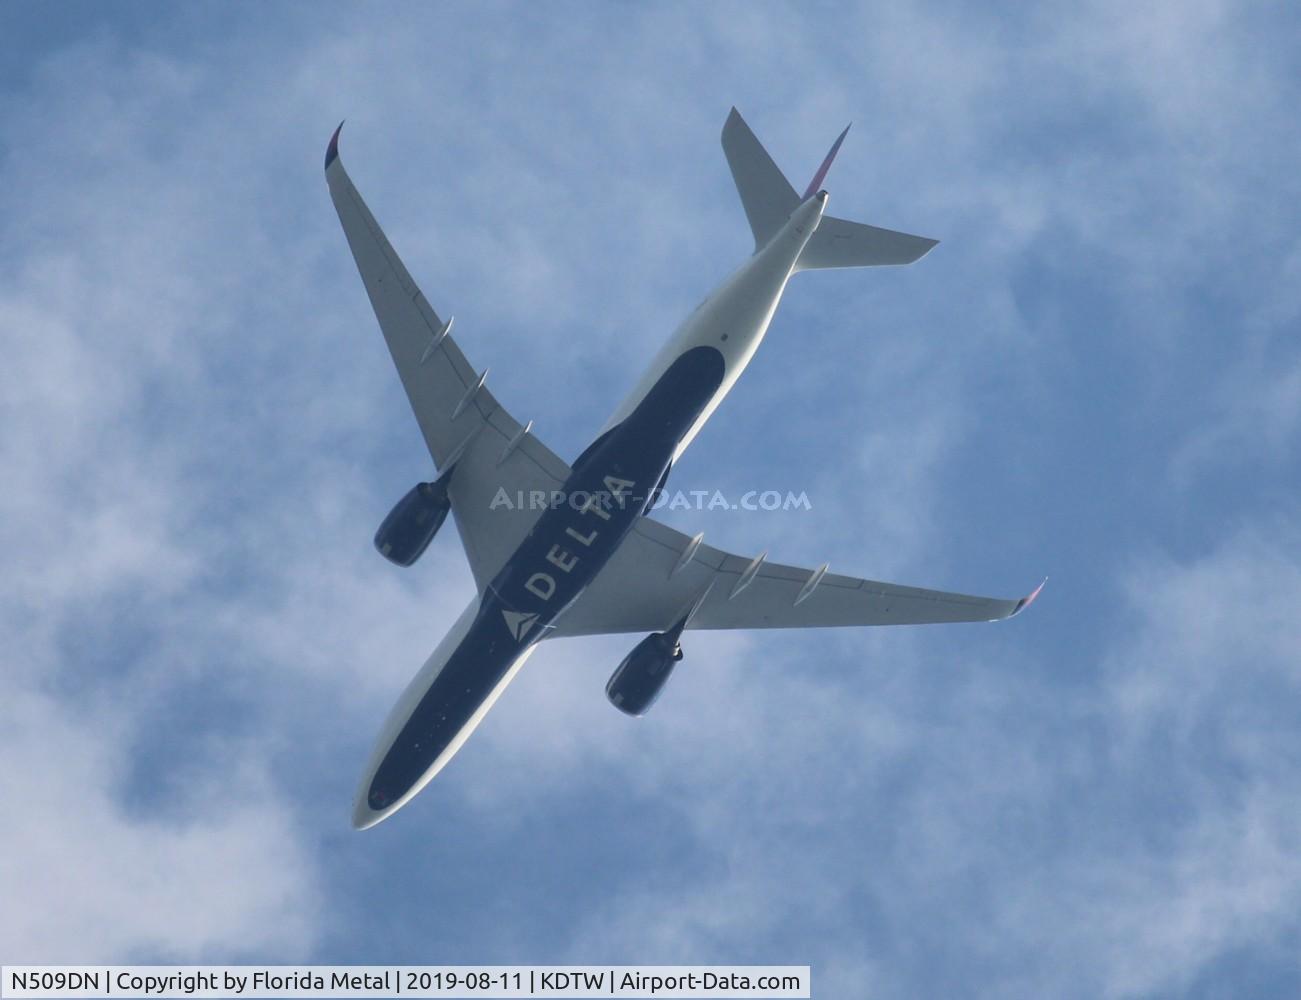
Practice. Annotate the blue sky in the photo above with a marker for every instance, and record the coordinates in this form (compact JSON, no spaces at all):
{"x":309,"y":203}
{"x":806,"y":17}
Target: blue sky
{"x":1096,"y":376}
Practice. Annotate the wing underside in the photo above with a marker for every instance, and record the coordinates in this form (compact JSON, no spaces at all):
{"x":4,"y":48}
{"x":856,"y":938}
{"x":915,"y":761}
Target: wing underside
{"x":658,"y":573}
{"x":458,"y":415}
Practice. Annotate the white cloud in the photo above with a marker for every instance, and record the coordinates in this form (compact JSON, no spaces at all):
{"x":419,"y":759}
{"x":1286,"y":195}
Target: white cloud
{"x":1218,"y":633}
{"x":1206,"y":690}
{"x":107,"y":529}
{"x":88,"y":880}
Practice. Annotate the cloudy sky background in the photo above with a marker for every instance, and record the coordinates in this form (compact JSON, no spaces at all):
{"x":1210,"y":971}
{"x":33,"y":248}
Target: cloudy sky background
{"x":1096,"y":376}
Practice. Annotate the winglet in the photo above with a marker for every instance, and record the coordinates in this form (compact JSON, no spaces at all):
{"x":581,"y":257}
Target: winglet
{"x":332,"y":150}
{"x":1025,"y":602}
{"x":821,"y":175}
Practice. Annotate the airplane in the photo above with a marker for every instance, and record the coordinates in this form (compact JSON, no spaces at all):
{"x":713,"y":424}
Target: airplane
{"x":589,"y":560}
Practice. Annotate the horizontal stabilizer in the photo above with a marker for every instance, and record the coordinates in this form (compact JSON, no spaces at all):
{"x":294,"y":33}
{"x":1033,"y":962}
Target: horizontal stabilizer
{"x":765,"y":192}
{"x":839,"y":243}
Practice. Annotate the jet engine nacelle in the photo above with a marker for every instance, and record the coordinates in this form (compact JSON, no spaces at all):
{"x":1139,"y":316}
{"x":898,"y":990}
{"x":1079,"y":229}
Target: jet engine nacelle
{"x":637,"y":682}
{"x":412,"y":523}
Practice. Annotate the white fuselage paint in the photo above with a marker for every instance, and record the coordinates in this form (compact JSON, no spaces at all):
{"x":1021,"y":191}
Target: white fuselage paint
{"x":733,"y":320}
{"x":735,"y":317}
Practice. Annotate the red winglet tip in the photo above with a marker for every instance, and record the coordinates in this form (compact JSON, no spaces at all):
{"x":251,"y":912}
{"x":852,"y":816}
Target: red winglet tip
{"x":1025,"y":602}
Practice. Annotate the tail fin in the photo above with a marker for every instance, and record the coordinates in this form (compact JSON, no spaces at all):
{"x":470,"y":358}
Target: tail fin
{"x":815,"y":185}
{"x":769,"y":199}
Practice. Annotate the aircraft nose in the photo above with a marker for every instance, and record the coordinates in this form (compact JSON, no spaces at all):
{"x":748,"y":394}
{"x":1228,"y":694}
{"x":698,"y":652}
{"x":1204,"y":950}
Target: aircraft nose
{"x":363,"y":816}
{"x":369,"y":807}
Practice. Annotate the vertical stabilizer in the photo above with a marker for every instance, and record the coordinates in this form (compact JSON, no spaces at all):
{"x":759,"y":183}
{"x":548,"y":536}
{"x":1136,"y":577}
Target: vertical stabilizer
{"x":769,"y":199}
{"x":821,"y":175}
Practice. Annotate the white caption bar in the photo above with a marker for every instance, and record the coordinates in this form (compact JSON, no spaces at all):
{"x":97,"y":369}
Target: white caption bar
{"x":184,"y":982}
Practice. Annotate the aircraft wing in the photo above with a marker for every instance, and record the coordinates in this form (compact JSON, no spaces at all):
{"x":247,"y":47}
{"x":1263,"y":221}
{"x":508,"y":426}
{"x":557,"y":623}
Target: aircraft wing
{"x":458,"y":416}
{"x":658,"y":573}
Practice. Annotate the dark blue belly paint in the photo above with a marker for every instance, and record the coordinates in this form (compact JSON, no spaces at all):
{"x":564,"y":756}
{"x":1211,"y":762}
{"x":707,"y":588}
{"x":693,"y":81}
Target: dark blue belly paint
{"x":611,"y":485}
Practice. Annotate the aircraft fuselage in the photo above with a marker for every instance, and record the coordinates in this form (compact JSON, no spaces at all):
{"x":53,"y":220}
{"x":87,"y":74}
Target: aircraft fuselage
{"x":611,"y":485}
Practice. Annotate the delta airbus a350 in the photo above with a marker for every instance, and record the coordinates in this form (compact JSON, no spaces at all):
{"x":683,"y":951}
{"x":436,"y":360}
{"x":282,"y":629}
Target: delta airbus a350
{"x":594,"y":562}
